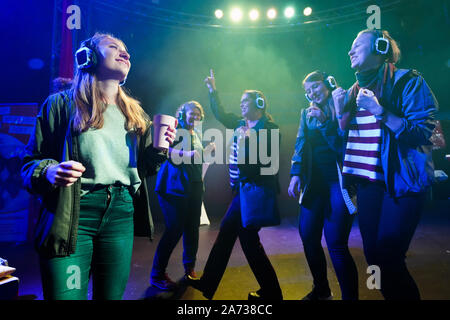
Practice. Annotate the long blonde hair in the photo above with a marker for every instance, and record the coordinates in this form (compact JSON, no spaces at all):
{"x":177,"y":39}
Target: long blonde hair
{"x":90,"y":102}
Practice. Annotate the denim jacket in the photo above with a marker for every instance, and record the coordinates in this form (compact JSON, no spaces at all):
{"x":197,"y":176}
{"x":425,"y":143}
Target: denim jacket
{"x":301,"y":163}
{"x":406,"y":153}
{"x":175,"y":179}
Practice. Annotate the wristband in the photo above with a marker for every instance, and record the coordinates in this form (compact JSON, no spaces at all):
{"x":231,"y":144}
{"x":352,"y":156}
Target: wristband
{"x":339,"y":116}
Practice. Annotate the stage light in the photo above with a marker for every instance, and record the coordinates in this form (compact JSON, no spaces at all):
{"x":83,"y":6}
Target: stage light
{"x":218,"y":13}
{"x":289,"y":12}
{"x":271,"y":13}
{"x":307,"y":11}
{"x":253,"y":14}
{"x":236,"y":14}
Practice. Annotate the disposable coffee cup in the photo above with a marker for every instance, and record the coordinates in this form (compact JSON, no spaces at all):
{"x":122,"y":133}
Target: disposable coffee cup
{"x":160,"y":124}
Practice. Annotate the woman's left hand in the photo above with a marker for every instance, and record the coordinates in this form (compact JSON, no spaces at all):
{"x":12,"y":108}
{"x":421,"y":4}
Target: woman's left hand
{"x":366,"y":99}
{"x":315,"y":112}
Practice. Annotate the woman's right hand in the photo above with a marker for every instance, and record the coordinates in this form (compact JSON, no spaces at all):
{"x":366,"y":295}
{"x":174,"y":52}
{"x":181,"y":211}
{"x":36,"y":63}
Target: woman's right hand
{"x":339,"y":100}
{"x":211,"y":81}
{"x":64,"y":174}
{"x":294,"y":186}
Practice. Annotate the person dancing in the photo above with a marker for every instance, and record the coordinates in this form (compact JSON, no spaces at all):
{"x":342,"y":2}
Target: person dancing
{"x":254,"y":117}
{"x":324,"y":204}
{"x":87,"y":160}
{"x":388,"y":116}
{"x":179,"y":186}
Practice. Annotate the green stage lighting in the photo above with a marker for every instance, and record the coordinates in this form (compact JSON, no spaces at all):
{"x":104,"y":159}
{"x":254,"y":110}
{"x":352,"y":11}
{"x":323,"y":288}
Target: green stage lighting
{"x":218,"y":13}
{"x":236,"y":14}
{"x":271,"y":13}
{"x":307,"y":11}
{"x":253,"y":14}
{"x":289,"y":12}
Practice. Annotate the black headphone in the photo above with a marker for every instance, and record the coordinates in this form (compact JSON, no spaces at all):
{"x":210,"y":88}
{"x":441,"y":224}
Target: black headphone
{"x":86,"y":58}
{"x":181,"y":115}
{"x":381,"y":44}
{"x":329,"y":81}
{"x":260,"y":103}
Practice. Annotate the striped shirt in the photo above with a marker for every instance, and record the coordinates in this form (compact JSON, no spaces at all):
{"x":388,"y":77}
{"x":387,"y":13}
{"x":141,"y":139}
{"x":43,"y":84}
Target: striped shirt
{"x":233,"y":164}
{"x":362,"y":154}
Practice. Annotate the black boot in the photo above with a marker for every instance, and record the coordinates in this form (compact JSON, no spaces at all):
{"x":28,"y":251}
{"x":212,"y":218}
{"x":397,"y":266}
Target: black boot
{"x":198,"y":284}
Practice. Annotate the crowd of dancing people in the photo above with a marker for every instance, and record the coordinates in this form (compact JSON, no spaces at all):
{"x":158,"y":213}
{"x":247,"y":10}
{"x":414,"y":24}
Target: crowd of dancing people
{"x":362,"y":151}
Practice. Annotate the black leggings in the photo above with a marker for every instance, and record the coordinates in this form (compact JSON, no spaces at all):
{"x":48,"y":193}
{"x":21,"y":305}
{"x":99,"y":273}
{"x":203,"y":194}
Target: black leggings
{"x":387,"y":226}
{"x":325,"y":210}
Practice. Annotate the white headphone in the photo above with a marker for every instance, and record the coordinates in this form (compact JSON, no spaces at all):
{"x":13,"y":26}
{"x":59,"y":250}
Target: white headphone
{"x":260,"y":103}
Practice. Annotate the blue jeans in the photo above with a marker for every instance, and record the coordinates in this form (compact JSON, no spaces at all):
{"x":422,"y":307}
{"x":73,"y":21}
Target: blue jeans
{"x":182,"y":218}
{"x":324,"y":209}
{"x":387,"y":226}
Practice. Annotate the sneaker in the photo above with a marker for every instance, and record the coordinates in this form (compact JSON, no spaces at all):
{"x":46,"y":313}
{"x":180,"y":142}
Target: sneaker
{"x":258,"y":295}
{"x":315,"y":296}
{"x":190,"y":274}
{"x":255,"y":295}
{"x":163,"y":282}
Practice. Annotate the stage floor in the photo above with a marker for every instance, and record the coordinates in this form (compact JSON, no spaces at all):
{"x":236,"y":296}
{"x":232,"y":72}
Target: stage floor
{"x":428,"y":261}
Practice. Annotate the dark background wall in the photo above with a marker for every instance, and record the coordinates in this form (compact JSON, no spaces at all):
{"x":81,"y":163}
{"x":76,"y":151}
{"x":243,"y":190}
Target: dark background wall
{"x":170,"y":62}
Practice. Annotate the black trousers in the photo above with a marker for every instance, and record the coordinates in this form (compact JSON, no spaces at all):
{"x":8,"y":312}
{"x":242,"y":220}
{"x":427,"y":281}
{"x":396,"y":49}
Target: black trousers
{"x":231,"y":228}
{"x":387,"y":227}
{"x":182,"y":219}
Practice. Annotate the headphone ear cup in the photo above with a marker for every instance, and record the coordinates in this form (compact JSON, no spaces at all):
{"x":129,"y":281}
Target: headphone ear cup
{"x":259,"y":102}
{"x":86,"y":56}
{"x":331,"y":82}
{"x":376,"y":47}
{"x":181,"y":114}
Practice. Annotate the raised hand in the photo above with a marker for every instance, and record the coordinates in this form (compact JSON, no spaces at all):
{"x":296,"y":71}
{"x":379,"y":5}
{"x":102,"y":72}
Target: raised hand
{"x":366,"y":99}
{"x":339,"y":100}
{"x":211,"y":81}
{"x":64,"y":174}
{"x":315,"y":112}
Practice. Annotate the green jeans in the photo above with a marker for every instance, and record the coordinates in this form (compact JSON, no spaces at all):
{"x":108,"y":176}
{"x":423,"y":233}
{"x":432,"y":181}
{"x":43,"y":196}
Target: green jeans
{"x":103,"y":250}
